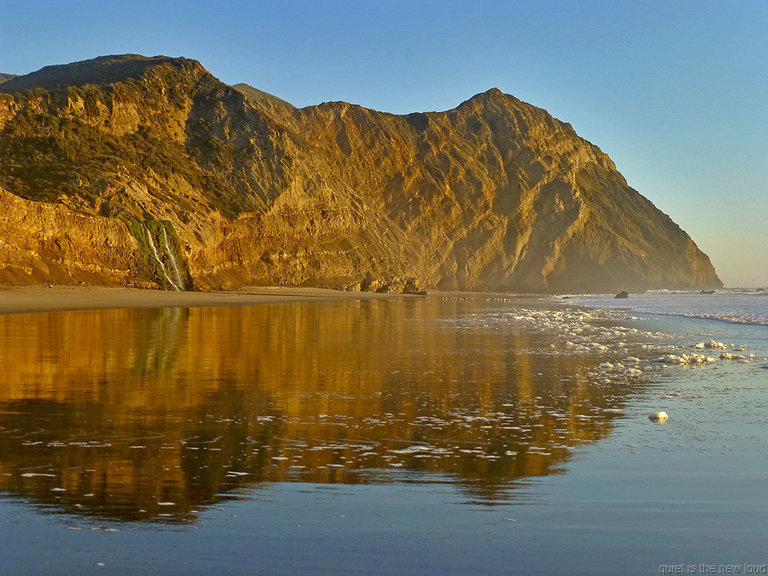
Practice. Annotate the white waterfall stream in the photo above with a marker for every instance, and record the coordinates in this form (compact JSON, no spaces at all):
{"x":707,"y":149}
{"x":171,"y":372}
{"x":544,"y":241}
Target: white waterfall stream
{"x":163,"y":269}
{"x":172,"y":257}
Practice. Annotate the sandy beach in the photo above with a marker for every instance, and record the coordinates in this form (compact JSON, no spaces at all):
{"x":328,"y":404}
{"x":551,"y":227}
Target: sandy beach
{"x":24,"y":299}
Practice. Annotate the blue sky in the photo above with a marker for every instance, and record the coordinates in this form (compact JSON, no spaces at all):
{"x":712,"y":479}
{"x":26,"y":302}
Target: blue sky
{"x":674,"y":92}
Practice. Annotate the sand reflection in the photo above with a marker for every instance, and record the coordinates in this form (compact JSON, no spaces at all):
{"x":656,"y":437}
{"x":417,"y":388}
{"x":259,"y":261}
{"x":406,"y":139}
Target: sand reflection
{"x":151,"y":414}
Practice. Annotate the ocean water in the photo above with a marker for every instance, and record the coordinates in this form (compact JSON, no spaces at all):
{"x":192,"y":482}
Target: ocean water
{"x":438,"y":435}
{"x":732,"y":306}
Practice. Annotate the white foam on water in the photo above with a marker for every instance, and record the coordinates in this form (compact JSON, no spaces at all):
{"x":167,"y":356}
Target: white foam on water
{"x":711,"y":345}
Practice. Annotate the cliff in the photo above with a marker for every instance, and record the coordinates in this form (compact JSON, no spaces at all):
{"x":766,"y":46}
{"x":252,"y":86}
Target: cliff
{"x":135,"y":170}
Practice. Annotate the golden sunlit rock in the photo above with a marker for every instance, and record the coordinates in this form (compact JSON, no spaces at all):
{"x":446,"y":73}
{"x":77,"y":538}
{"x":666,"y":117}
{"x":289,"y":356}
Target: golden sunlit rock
{"x":242,"y":188}
{"x":659,"y":417}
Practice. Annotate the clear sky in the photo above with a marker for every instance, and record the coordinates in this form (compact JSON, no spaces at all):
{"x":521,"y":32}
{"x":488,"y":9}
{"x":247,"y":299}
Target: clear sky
{"x":675,"y":92}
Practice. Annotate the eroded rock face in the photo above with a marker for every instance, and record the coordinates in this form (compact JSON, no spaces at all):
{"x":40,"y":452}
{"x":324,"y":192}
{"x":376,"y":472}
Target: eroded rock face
{"x":495,"y":194}
{"x":49,"y":243}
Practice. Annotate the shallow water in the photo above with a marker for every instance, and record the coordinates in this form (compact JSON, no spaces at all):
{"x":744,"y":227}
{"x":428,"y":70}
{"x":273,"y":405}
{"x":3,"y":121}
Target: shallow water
{"x":423,"y":436}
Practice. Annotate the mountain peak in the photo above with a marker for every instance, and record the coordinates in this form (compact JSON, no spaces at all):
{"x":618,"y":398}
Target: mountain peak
{"x":493,"y":93}
{"x":98,"y":71}
{"x":492,"y":97}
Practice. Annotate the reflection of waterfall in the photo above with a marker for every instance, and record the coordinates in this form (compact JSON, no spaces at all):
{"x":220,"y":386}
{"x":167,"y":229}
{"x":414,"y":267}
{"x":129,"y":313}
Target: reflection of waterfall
{"x":167,"y":253}
{"x":158,"y":340}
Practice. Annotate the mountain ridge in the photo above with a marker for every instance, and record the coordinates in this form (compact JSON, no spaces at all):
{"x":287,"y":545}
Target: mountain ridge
{"x":256,"y":95}
{"x":493,"y":194}
{"x":99,"y":71}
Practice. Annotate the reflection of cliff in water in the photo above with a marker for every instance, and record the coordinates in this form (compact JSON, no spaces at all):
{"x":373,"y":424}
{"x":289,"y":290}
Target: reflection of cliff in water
{"x":152,"y":413}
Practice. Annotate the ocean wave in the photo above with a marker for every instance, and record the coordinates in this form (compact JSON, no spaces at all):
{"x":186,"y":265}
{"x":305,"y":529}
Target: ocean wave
{"x":730,"y":318}
{"x":733,"y":306}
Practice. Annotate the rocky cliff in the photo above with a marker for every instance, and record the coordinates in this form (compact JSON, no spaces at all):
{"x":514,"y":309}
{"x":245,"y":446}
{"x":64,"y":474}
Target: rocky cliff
{"x":135,"y":170}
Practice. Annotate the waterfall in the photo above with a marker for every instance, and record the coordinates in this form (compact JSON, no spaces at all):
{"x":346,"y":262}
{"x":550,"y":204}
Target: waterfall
{"x":172,"y":258}
{"x":163,"y":269}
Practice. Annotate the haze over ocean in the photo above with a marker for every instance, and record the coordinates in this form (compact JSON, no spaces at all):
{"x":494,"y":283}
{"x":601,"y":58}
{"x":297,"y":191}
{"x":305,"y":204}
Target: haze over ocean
{"x":672,"y":92}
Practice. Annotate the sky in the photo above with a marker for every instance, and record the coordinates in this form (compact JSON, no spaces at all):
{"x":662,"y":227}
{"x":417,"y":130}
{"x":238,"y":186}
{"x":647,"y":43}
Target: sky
{"x":675,"y":92}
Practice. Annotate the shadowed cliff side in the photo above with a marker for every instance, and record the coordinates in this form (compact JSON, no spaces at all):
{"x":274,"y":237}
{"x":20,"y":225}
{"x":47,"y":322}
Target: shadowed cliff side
{"x":495,"y":194}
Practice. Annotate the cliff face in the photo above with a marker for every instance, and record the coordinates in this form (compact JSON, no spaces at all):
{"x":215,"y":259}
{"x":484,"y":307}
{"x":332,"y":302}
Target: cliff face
{"x":154,"y":171}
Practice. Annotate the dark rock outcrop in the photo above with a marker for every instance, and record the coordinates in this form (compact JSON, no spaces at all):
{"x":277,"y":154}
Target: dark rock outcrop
{"x":494,"y":194}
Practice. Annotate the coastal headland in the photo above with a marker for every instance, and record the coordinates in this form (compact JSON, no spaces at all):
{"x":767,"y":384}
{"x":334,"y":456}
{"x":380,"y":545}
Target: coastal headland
{"x":141,"y":171}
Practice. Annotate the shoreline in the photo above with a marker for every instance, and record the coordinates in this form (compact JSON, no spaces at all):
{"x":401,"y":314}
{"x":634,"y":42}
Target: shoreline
{"x":32,"y":299}
{"x":27,"y":299}
{"x":35,"y":299}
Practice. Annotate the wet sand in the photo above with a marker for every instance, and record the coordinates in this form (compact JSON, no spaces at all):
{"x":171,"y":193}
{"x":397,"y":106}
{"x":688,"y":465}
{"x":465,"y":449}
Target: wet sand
{"x":16,"y":300}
